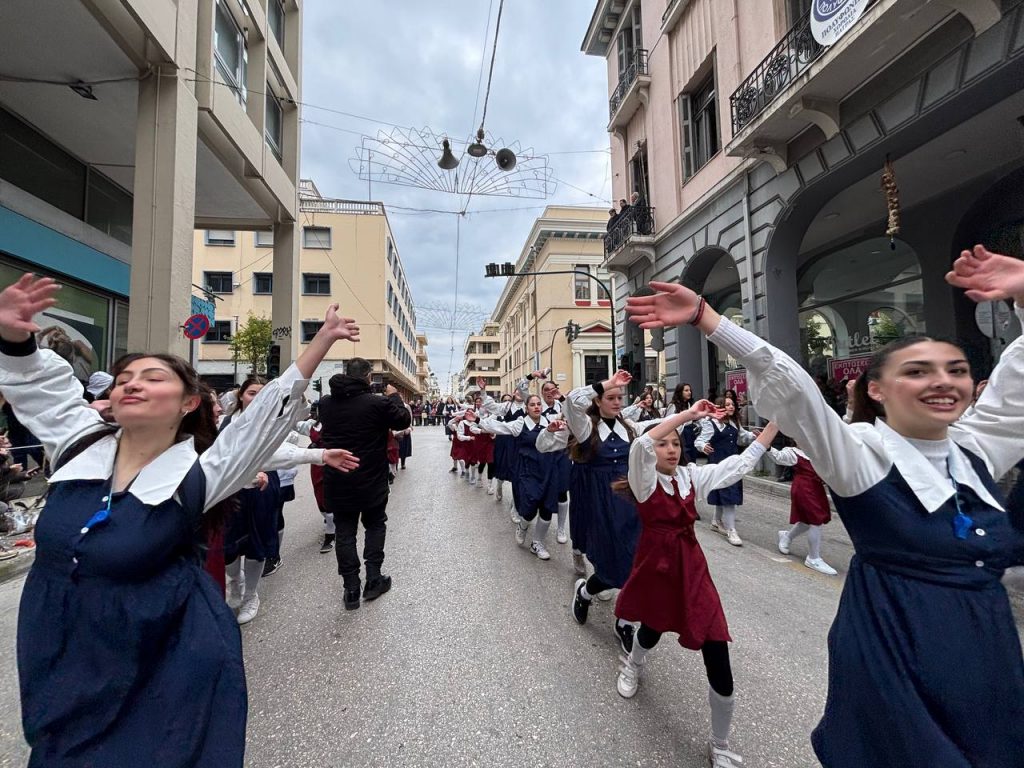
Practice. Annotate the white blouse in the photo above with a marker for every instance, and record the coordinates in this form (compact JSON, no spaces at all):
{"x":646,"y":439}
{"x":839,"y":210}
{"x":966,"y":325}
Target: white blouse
{"x":708,"y":427}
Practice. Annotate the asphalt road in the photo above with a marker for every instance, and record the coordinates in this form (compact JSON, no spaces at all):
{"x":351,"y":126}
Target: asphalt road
{"x":473,"y":659}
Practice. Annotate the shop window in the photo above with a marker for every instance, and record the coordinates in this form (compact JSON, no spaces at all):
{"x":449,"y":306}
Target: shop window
{"x":230,"y":52}
{"x":581,"y":283}
{"x":264,"y":239}
{"x":108,"y":208}
{"x":33,"y":163}
{"x":218,"y":282}
{"x":262,"y":282}
{"x":316,"y":237}
{"x":219,"y":333}
{"x":224,"y":237}
{"x":309,"y":329}
{"x":274,"y":123}
{"x":316,"y":284}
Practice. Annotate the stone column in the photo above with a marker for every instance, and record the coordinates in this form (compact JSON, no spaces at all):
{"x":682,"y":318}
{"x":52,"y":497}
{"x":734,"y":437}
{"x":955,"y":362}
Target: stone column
{"x":285,"y":301}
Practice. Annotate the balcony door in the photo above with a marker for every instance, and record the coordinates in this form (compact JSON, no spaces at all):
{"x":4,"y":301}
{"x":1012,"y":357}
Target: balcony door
{"x":639,"y":176}
{"x":630,"y":39}
{"x":798,"y":10}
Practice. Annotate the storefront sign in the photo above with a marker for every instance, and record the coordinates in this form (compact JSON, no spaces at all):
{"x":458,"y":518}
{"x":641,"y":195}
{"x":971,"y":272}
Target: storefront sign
{"x":844,"y":368}
{"x":737,"y":381}
{"x":831,"y":19}
{"x":993,"y":318}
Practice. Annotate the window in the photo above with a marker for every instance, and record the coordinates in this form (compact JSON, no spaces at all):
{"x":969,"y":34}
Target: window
{"x":698,"y":119}
{"x":262,"y":282}
{"x":220,"y":237}
{"x":219,"y":333}
{"x":595,"y":368}
{"x":39,"y":167}
{"x":229,"y":51}
{"x":581,"y":283}
{"x":798,"y":9}
{"x":275,"y":120}
{"x":218,"y":282}
{"x":108,"y":208}
{"x":316,"y":237}
{"x":630,"y":39}
{"x":316,"y":284}
{"x":391,"y":252}
{"x":264,"y":239}
{"x":309,"y":329}
{"x":275,"y":18}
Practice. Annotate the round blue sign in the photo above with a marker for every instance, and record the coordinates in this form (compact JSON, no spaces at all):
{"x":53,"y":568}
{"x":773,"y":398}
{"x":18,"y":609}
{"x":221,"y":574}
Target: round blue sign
{"x":196,"y":326}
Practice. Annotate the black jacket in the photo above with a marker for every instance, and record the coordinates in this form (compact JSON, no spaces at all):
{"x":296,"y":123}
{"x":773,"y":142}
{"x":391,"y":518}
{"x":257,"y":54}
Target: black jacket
{"x":357,"y":420}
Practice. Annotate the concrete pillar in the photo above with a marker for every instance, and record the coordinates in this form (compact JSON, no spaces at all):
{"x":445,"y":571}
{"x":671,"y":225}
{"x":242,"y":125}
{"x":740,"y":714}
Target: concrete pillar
{"x":690,"y":357}
{"x":285,"y":301}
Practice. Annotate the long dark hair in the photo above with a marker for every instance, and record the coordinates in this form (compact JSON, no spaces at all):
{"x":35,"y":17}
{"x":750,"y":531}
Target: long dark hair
{"x":251,"y":380}
{"x":678,"y":401}
{"x":864,"y":408}
{"x":199,"y":423}
{"x":581,"y":453}
{"x":735,"y":419}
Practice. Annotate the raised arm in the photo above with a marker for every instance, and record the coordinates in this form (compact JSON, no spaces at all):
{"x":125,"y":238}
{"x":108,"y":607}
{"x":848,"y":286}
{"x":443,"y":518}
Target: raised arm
{"x":703,"y":439}
{"x":786,"y":457}
{"x":555,"y":438}
{"x":496,"y":427}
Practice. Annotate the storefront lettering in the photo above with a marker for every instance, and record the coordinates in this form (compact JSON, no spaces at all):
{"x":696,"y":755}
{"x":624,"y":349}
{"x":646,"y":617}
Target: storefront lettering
{"x":859,"y":341}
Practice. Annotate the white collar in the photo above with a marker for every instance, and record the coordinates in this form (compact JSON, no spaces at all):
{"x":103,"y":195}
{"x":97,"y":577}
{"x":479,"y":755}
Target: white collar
{"x":604,"y":431}
{"x":531,"y":424}
{"x":681,"y":477}
{"x":155,"y":484}
{"x":931,"y":488}
{"x":555,"y":406}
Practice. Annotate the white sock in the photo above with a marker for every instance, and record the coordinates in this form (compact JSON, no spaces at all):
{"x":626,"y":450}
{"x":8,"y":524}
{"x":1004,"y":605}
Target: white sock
{"x":721,"y":716}
{"x":623,"y":623}
{"x":797,"y":530}
{"x":234,"y":572}
{"x":328,"y":522}
{"x":540,"y":530}
{"x":462,"y":466}
{"x":253,"y":572}
{"x":728,"y":517}
{"x":280,"y":542}
{"x":639,"y":653}
{"x":717,"y":517}
{"x":584,"y":594}
{"x":563,"y":515}
{"x":814,"y":542}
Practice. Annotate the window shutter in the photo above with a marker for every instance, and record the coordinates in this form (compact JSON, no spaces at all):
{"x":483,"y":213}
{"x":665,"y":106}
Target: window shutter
{"x":686,"y":135}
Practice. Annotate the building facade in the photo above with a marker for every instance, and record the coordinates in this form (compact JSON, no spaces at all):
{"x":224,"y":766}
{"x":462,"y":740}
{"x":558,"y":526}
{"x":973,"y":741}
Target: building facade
{"x":348,"y":256}
{"x":565,"y":245}
{"x":482,"y":359}
{"x":124,"y":126}
{"x":757,"y":155}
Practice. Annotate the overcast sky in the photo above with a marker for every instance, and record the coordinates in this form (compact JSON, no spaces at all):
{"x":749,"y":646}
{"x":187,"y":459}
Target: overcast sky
{"x":418,"y":64}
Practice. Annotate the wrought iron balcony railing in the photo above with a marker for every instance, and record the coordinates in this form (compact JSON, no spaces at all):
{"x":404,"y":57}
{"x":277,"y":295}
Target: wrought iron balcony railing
{"x":637,"y":220}
{"x":637,"y":66}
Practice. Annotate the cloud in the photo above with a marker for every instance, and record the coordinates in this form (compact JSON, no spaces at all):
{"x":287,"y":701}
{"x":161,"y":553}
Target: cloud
{"x":419,"y":64}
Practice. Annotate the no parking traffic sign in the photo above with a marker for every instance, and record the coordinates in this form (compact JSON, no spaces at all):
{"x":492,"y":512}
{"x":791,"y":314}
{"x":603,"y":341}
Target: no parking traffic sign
{"x":196,"y":326}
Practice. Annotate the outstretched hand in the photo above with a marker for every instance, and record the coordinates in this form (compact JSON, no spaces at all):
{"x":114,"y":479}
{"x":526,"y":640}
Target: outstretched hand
{"x":704,"y":408}
{"x":557,"y":426}
{"x":987,"y":276}
{"x":672,"y":305}
{"x":338,"y":328}
{"x":341,"y":460}
{"x":620,"y":379}
{"x":23,"y":300}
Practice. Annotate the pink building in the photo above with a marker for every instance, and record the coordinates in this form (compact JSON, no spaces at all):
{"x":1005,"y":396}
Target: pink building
{"x":755,"y":152}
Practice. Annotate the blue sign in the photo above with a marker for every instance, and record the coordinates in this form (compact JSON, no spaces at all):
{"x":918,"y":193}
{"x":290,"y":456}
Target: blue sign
{"x":203,"y":307}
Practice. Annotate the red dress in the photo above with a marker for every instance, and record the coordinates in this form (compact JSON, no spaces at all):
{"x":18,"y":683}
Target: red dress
{"x":808,"y":502}
{"x":316,"y":472}
{"x":462,"y":450}
{"x":482,"y":448}
{"x":670,"y":588}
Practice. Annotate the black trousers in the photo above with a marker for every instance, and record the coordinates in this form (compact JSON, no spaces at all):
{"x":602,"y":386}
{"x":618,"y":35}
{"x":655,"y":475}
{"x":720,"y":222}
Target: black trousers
{"x":346,"y":523}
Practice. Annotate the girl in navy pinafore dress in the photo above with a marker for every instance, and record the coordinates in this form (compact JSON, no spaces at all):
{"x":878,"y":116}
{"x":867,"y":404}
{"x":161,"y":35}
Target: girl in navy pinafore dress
{"x":509,"y":410}
{"x":719,"y":439}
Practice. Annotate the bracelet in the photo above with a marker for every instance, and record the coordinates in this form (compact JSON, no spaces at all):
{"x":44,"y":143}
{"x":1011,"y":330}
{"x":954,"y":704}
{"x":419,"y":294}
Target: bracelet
{"x":700,"y":311}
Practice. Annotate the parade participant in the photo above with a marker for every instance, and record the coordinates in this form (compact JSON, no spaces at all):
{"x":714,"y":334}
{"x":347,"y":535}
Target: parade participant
{"x":643,"y":409}
{"x":510,"y":409}
{"x":120,"y":633}
{"x":447,"y":413}
{"x":404,"y":437}
{"x":719,"y":438}
{"x":553,"y":399}
{"x":925,"y":665}
{"x":608,"y":527}
{"x":682,"y":398}
{"x":670,"y":588}
{"x":808,"y":507}
{"x":462,"y":445}
{"x":536,"y":486}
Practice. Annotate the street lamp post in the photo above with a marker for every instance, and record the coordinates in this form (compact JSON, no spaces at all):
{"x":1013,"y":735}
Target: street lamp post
{"x":509,"y":270}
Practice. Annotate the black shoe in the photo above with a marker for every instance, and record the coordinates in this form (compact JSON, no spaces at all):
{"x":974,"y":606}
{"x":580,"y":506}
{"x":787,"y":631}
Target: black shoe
{"x":328,"y":543}
{"x":391,"y":478}
{"x":403,"y":466}
{"x":272,"y":566}
{"x":376,"y":587}
{"x":579,"y":605}
{"x":351,"y":598}
{"x":625,"y":634}
{"x":452,"y":469}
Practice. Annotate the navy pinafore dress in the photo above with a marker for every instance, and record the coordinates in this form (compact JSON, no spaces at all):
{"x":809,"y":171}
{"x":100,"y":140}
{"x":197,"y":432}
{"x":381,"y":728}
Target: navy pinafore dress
{"x":925,"y":666}
{"x":127,"y":653}
{"x":563,"y":466}
{"x":690,"y":431}
{"x":252,"y":530}
{"x":611,"y":523}
{"x":725,"y":442}
{"x":535,"y":483}
{"x":504,"y":450}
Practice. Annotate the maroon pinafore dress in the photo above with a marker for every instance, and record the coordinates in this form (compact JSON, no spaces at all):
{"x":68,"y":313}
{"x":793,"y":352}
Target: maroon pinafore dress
{"x":808,"y":502}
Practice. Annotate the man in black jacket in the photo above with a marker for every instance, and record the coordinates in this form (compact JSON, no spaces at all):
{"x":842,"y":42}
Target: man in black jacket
{"x":354,"y":418}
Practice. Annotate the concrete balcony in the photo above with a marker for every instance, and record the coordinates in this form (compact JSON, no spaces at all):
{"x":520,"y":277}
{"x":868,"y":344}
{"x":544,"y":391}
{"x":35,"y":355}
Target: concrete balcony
{"x":630,"y":240}
{"x":802,"y":83}
{"x":632,"y":91}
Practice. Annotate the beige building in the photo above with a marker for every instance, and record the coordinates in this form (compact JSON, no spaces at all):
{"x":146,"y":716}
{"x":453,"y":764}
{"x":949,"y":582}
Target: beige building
{"x":125,"y":126}
{"x":348,"y":256}
{"x":482,"y":359}
{"x":532,"y":312}
{"x":756,"y":140}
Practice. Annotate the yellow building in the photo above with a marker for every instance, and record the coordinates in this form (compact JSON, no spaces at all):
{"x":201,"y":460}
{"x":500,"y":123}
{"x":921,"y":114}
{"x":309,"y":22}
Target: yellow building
{"x":482,"y":359}
{"x":348,"y":256}
{"x":533,"y":311}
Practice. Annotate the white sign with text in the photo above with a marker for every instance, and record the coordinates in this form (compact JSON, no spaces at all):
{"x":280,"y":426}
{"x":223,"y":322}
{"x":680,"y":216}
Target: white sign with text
{"x":831,"y":19}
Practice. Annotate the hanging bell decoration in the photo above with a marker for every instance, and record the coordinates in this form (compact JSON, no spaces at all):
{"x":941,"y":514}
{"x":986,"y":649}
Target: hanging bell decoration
{"x":477,"y":148}
{"x":892,"y":202}
{"x":448,"y":161}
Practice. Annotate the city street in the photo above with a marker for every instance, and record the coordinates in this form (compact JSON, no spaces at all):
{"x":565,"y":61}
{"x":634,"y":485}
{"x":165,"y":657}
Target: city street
{"x":473,"y":659}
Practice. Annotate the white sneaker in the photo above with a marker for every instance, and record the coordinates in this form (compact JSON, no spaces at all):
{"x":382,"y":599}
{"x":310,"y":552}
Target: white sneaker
{"x":562,"y":536}
{"x":521,"y":532}
{"x":784,"y":542}
{"x":540,"y":550}
{"x":733,"y":538}
{"x":716,"y":528}
{"x":722,"y":758}
{"x":579,"y":563}
{"x":819,"y":565}
{"x":249,"y":609}
{"x":629,"y":677}
{"x":514,"y":515}
{"x":490,"y":487}
{"x":605,"y":596}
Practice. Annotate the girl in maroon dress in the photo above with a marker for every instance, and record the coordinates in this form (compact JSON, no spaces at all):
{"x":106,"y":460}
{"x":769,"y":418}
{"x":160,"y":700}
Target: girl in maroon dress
{"x":670,"y":588}
{"x":808,"y":507}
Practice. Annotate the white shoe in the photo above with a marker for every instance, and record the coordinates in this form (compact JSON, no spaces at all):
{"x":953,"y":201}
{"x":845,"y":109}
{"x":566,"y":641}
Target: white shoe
{"x":722,"y":758}
{"x":540,"y":550}
{"x":234,"y":594}
{"x":249,"y":609}
{"x":819,"y":565}
{"x":562,"y":536}
{"x":579,"y":564}
{"x":784,"y":542}
{"x":629,"y":677}
{"x":733,"y":538}
{"x":514,"y":515}
{"x":716,"y":528}
{"x":605,"y":596}
{"x":521,"y":532}
{"x":490,"y":487}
